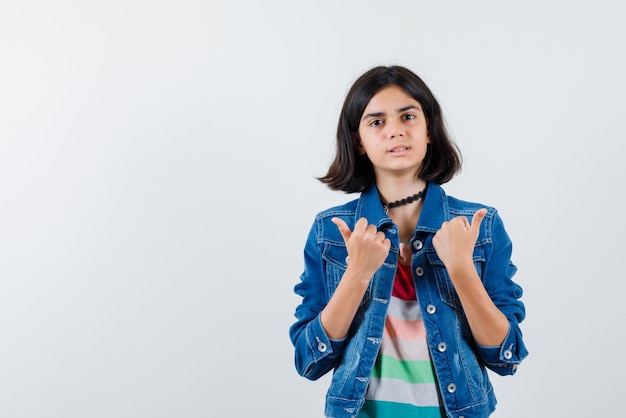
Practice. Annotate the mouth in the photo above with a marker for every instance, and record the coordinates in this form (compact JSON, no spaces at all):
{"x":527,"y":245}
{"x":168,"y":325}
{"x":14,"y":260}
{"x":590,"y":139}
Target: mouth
{"x":399,"y":149}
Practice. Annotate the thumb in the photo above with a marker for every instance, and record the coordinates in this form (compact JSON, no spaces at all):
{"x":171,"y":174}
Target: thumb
{"x":478,"y":218}
{"x":343,"y":228}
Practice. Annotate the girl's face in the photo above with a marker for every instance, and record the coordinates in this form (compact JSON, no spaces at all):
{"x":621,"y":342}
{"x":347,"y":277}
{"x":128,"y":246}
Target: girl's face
{"x":393,"y":133}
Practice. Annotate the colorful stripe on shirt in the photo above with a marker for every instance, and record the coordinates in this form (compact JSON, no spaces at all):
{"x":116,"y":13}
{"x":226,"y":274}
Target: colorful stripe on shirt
{"x":403,"y":380}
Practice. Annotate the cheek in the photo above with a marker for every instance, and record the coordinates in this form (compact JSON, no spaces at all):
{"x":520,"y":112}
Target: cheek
{"x":365,"y":142}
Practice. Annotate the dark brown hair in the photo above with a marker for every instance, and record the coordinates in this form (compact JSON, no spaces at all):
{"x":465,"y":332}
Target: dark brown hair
{"x":351,"y":172}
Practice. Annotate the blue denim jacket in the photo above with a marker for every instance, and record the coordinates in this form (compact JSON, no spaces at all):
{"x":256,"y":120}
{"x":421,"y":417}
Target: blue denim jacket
{"x":460,"y":363}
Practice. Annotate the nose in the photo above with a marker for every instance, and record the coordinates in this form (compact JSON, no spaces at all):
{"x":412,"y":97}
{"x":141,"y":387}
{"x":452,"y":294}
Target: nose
{"x":394,"y":129}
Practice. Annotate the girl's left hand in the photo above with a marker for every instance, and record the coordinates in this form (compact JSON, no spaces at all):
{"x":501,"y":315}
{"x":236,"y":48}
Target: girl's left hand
{"x":455,"y":240}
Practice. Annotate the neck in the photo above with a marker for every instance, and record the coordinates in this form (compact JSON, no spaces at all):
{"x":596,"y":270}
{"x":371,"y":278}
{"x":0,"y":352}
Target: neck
{"x":395,"y":190}
{"x":406,"y":217}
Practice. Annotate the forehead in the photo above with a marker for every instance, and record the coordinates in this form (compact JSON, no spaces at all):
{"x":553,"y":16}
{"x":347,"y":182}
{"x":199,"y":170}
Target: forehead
{"x":391,"y":96}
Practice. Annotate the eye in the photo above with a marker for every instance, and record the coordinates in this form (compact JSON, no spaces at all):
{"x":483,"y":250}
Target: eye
{"x":408,"y":117}
{"x":376,"y":122}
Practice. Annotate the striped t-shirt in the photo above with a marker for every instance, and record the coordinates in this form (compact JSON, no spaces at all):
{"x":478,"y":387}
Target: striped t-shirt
{"x":403,"y":382}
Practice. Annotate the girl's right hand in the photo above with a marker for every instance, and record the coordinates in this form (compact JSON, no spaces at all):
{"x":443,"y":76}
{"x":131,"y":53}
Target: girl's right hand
{"x":367,"y":247}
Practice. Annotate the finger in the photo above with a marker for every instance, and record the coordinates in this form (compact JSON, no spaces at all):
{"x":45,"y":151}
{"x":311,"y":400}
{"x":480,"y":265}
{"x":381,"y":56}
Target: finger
{"x":344,"y":230}
{"x":371,"y":231}
{"x":478,"y":218}
{"x":361,"y":227}
{"x":386,"y":245}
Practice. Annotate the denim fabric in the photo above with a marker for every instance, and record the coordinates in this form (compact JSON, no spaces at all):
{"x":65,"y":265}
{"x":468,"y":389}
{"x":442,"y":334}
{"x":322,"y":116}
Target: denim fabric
{"x":460,"y":364}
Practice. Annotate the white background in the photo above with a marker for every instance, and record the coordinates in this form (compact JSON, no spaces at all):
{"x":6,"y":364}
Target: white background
{"x":157,"y":164}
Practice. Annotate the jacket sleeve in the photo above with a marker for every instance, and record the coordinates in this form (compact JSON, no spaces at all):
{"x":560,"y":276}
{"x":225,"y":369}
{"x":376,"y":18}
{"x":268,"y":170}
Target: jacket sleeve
{"x":497,"y":277}
{"x":315,"y":353}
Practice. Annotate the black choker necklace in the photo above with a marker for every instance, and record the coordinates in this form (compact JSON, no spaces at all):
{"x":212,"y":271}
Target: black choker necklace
{"x":405,"y":201}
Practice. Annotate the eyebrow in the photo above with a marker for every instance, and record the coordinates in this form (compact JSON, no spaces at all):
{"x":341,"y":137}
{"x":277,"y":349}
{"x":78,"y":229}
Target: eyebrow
{"x":378,"y":114}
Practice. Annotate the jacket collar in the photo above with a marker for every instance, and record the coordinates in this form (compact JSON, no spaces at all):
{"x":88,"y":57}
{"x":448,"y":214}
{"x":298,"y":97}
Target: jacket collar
{"x":370,"y":207}
{"x":434,"y":212}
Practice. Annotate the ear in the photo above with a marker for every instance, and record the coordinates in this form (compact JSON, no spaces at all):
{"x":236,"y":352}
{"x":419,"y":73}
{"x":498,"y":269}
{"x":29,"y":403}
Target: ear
{"x":356,"y":142}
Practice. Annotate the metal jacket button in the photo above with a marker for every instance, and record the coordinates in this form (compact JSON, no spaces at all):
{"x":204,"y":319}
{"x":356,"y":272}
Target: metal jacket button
{"x":431,"y":309}
{"x":451,"y":388}
{"x":419,"y":271}
{"x":321,"y":347}
{"x":442,"y":347}
{"x":417,"y":244}
{"x":507,"y":354}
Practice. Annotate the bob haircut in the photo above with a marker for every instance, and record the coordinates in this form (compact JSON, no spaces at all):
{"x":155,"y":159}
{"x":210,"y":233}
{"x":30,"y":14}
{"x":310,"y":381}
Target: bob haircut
{"x":351,"y":172}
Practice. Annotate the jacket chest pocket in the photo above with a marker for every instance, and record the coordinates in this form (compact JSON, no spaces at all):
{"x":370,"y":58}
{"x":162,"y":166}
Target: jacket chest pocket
{"x":446,"y":289}
{"x":336,"y":262}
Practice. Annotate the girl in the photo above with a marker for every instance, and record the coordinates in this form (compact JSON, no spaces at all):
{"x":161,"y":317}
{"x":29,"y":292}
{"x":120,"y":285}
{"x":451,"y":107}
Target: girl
{"x":407,"y":293}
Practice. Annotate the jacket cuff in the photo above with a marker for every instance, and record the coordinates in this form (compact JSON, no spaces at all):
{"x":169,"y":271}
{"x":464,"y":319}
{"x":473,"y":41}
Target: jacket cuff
{"x":320,"y":344}
{"x":505,"y":358}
